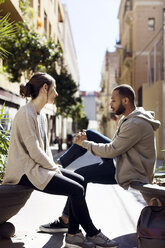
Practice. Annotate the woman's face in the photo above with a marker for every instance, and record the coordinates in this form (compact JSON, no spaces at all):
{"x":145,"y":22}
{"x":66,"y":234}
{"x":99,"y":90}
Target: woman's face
{"x":52,"y":93}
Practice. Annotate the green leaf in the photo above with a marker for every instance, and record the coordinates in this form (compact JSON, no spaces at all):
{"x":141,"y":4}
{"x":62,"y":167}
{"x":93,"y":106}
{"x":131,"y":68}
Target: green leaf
{"x":2,"y":1}
{"x":34,"y":50}
{"x":7,"y":29}
{"x":4,"y":141}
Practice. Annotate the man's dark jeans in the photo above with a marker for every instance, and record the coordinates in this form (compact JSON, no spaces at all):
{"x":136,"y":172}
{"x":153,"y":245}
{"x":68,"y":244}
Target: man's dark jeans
{"x":103,"y":172}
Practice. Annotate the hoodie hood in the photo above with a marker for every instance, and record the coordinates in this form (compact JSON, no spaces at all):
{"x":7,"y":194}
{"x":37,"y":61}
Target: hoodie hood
{"x":139,"y":112}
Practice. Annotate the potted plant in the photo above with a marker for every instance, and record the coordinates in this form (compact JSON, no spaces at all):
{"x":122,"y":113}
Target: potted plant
{"x":4,"y":142}
{"x":159,"y":177}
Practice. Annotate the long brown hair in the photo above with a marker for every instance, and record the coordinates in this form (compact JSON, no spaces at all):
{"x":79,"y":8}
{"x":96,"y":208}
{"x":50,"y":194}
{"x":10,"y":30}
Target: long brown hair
{"x":32,"y":88}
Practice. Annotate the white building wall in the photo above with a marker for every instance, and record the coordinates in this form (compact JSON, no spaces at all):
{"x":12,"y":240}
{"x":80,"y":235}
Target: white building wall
{"x":89,"y":102}
{"x":69,"y":49}
{"x":108,"y":82}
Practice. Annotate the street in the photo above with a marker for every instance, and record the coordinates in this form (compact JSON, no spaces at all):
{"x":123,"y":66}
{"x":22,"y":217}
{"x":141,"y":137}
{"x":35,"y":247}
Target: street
{"x":114,"y":210}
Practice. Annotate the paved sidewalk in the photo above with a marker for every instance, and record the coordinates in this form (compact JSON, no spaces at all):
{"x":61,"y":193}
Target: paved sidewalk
{"x":112,"y":209}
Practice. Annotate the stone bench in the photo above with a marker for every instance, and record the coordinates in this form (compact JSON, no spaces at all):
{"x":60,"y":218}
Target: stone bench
{"x":150,"y":191}
{"x":12,"y":199}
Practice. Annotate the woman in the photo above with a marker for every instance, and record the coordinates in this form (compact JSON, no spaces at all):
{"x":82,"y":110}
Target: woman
{"x":30,"y":163}
{"x":102,"y":172}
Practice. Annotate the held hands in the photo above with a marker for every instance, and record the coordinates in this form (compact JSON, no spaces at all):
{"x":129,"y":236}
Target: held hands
{"x":79,"y":138}
{"x":57,"y":167}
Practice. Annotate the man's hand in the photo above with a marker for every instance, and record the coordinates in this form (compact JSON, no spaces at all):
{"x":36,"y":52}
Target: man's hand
{"x":79,"y":138}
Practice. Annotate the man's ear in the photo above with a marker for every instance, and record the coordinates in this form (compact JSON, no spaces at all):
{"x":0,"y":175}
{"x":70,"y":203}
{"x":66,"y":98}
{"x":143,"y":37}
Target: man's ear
{"x":125,"y":100}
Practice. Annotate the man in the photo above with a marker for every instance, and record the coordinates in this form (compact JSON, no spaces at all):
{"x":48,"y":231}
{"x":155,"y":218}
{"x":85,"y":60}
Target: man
{"x":130,"y":156}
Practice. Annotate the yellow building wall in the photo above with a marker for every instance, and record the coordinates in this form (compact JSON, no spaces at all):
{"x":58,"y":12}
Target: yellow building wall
{"x":153,"y":100}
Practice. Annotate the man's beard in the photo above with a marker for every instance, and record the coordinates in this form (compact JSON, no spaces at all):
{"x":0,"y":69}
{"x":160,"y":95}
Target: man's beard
{"x":120,"y":110}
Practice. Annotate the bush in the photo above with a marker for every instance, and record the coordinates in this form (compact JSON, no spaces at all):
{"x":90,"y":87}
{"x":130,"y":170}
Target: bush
{"x":28,"y":52}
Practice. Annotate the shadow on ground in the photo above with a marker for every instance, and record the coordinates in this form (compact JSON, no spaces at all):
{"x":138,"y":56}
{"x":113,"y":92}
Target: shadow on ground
{"x":127,"y":241}
{"x":56,"y":241}
{"x":7,"y":243}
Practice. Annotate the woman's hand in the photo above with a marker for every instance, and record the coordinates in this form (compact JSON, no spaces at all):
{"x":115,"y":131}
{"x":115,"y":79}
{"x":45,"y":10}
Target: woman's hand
{"x":59,"y":165}
{"x":57,"y":168}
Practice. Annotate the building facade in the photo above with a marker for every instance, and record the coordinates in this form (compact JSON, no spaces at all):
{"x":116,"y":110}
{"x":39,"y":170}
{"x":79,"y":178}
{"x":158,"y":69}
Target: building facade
{"x":91,"y":103}
{"x":108,"y":120}
{"x":49,"y":19}
{"x":140,"y":26}
{"x":70,"y":61}
{"x":141,"y":56}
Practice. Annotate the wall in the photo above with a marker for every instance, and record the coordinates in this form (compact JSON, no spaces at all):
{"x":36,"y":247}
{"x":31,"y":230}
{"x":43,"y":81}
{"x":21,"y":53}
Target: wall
{"x":153,"y":100}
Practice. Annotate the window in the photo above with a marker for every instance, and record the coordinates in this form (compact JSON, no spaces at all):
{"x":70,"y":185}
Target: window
{"x":50,"y":30}
{"x":128,"y":6}
{"x":55,"y":6}
{"x":31,"y":3}
{"x":151,"y":24}
{"x":164,"y":18}
{"x":39,"y":8}
{"x":45,"y":23}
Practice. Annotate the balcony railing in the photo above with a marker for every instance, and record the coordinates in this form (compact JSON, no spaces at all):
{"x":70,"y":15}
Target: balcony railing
{"x":9,"y":6}
{"x":156,"y":64}
{"x":128,"y":18}
{"x":128,"y":6}
{"x":127,"y":58}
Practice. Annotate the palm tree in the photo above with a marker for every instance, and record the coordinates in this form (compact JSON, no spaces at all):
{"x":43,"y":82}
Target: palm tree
{"x":6,"y":29}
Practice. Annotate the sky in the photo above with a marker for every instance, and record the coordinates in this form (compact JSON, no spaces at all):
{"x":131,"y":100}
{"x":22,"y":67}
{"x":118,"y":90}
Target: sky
{"x":95,"y":29}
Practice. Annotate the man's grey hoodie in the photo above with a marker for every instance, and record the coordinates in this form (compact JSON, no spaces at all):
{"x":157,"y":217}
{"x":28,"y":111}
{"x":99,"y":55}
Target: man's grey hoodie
{"x":133,"y":146}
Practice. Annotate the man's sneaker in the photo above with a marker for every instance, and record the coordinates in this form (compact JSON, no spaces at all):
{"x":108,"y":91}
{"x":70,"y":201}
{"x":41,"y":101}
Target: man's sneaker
{"x":101,"y":241}
{"x":54,"y":227}
{"x":78,"y":241}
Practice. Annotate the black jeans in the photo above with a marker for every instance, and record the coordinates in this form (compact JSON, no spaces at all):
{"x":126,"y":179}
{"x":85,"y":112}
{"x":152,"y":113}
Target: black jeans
{"x":103,"y":172}
{"x":70,"y":184}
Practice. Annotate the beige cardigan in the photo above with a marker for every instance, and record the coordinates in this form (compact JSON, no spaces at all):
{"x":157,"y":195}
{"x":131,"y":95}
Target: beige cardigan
{"x":26,"y":152}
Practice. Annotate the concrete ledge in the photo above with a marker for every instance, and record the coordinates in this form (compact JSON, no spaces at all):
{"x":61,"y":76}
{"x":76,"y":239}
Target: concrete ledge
{"x":150,"y":191}
{"x":12,"y":199}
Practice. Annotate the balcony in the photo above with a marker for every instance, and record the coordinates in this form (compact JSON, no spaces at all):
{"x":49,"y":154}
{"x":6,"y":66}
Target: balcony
{"x":12,"y":7}
{"x":127,"y":59}
{"x":128,"y":18}
{"x":118,"y":75}
{"x":128,"y":7}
